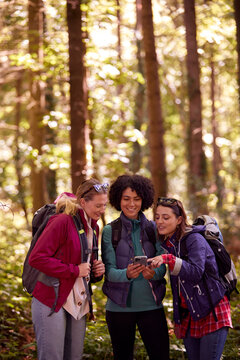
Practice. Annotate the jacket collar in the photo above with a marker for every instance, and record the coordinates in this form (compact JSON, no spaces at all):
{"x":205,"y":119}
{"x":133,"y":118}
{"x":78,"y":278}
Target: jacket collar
{"x":94,"y":224}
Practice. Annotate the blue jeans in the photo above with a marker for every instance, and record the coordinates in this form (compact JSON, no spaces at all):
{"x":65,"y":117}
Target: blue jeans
{"x":208,"y":347}
{"x":59,"y":336}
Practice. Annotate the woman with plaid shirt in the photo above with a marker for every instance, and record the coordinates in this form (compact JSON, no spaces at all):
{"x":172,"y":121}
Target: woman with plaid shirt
{"x":203,"y":336}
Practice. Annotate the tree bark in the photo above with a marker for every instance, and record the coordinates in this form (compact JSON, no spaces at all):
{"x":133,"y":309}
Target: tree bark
{"x":139,"y":103}
{"x":51,"y":183}
{"x":196,"y":154}
{"x":120,"y":86}
{"x":78,"y":91}
{"x":237,"y":19}
{"x":217,"y":160}
{"x":156,"y":127}
{"x":18,"y":162}
{"x":36,"y":105}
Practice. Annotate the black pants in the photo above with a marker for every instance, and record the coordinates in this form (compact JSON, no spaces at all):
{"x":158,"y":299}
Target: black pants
{"x":153,"y":329}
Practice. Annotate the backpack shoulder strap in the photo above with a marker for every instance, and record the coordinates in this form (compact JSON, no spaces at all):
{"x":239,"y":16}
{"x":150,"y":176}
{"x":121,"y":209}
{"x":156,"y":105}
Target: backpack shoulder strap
{"x":116,"y":232}
{"x":82,"y":237}
{"x":117,"y":228}
{"x":95,"y":244}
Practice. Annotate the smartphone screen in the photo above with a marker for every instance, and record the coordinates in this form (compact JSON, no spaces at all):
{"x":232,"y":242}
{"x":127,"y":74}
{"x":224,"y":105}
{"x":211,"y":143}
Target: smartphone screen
{"x":140,"y":260}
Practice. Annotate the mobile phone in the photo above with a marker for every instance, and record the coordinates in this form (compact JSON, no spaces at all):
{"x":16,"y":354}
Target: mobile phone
{"x":140,"y":260}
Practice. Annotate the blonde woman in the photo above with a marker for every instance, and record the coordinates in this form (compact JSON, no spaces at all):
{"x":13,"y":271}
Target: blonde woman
{"x":58,"y":254}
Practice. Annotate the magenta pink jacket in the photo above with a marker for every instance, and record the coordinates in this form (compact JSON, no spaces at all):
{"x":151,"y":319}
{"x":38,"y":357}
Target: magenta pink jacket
{"x":57,"y":253}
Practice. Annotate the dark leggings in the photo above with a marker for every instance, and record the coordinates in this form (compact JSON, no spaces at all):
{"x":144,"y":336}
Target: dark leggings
{"x":153,"y":329}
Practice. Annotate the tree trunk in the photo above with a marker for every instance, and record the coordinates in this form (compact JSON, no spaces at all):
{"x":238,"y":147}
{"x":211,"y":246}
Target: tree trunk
{"x":18,"y":162}
{"x":156,"y":128}
{"x":119,"y":88}
{"x":196,"y":153}
{"x":139,"y":103}
{"x":51,"y":186}
{"x":217,"y":160}
{"x":78,"y":111}
{"x":36,"y":103}
{"x":237,"y":18}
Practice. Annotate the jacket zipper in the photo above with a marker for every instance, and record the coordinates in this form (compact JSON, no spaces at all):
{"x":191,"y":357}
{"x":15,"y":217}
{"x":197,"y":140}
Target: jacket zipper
{"x":185,"y":291}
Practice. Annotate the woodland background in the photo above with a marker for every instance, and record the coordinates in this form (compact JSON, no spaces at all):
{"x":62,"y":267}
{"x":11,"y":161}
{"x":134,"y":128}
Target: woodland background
{"x":101,"y":88}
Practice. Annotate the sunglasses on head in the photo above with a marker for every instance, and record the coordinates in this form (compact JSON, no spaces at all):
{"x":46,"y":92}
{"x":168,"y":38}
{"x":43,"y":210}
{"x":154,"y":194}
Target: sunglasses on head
{"x":97,"y":187}
{"x":166,"y":200}
{"x":173,"y":203}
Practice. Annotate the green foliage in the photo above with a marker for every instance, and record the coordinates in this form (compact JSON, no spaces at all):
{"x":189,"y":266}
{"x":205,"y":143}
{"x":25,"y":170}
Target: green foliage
{"x":16,"y":331}
{"x":113,"y":80}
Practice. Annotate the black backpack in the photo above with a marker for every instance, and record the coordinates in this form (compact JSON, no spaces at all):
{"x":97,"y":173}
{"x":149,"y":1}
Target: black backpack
{"x":227,"y":272}
{"x":30,"y":275}
{"x":117,"y":228}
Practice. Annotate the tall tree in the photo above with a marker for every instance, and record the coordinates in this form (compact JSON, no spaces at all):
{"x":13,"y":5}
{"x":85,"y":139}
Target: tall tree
{"x":36,"y":103}
{"x":156,"y":127}
{"x":78,"y":91}
{"x":51,"y":183}
{"x":217,"y":159}
{"x":237,"y":19}
{"x":196,"y":154}
{"x":139,"y":102}
{"x":18,"y":160}
{"x":120,"y":85}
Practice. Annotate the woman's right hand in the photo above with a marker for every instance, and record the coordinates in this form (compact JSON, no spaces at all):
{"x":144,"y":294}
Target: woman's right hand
{"x":156,"y":261}
{"x":133,"y":271}
{"x":84,"y":269}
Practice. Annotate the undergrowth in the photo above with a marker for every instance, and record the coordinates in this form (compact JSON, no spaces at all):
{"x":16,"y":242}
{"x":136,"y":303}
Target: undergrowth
{"x":16,"y":331}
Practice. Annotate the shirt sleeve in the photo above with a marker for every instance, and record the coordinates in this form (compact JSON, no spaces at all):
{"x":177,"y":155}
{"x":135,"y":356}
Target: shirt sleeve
{"x":112,"y":273}
{"x":169,"y":259}
{"x":44,"y":255}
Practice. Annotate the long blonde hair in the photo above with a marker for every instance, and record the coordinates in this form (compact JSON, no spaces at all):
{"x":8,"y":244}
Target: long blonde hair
{"x":67,"y":205}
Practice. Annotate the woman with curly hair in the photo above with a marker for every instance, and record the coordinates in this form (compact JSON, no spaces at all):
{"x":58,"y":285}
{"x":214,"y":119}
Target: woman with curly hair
{"x":134,"y":291}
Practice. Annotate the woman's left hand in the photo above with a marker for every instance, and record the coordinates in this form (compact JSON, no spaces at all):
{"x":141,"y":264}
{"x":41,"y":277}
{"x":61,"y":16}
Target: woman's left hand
{"x":148,"y":273}
{"x":98,"y":268}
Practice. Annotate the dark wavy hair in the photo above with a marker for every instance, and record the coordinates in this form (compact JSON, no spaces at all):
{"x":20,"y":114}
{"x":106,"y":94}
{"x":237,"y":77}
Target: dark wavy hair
{"x":142,"y":185}
{"x":178,"y":210}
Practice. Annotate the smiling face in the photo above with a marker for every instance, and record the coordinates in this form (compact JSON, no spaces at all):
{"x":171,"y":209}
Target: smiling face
{"x":166,"y":220}
{"x":95,"y":207}
{"x":131,"y":203}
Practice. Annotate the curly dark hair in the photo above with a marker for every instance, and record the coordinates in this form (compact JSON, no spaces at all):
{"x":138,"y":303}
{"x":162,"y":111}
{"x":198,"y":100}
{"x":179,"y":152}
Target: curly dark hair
{"x":142,"y":185}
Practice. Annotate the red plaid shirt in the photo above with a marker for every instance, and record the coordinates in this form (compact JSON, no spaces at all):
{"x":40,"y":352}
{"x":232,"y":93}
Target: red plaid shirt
{"x":207,"y":324}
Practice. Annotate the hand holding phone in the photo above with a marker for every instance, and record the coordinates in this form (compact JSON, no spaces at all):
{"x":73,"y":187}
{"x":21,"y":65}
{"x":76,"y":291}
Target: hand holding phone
{"x":142,"y":260}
